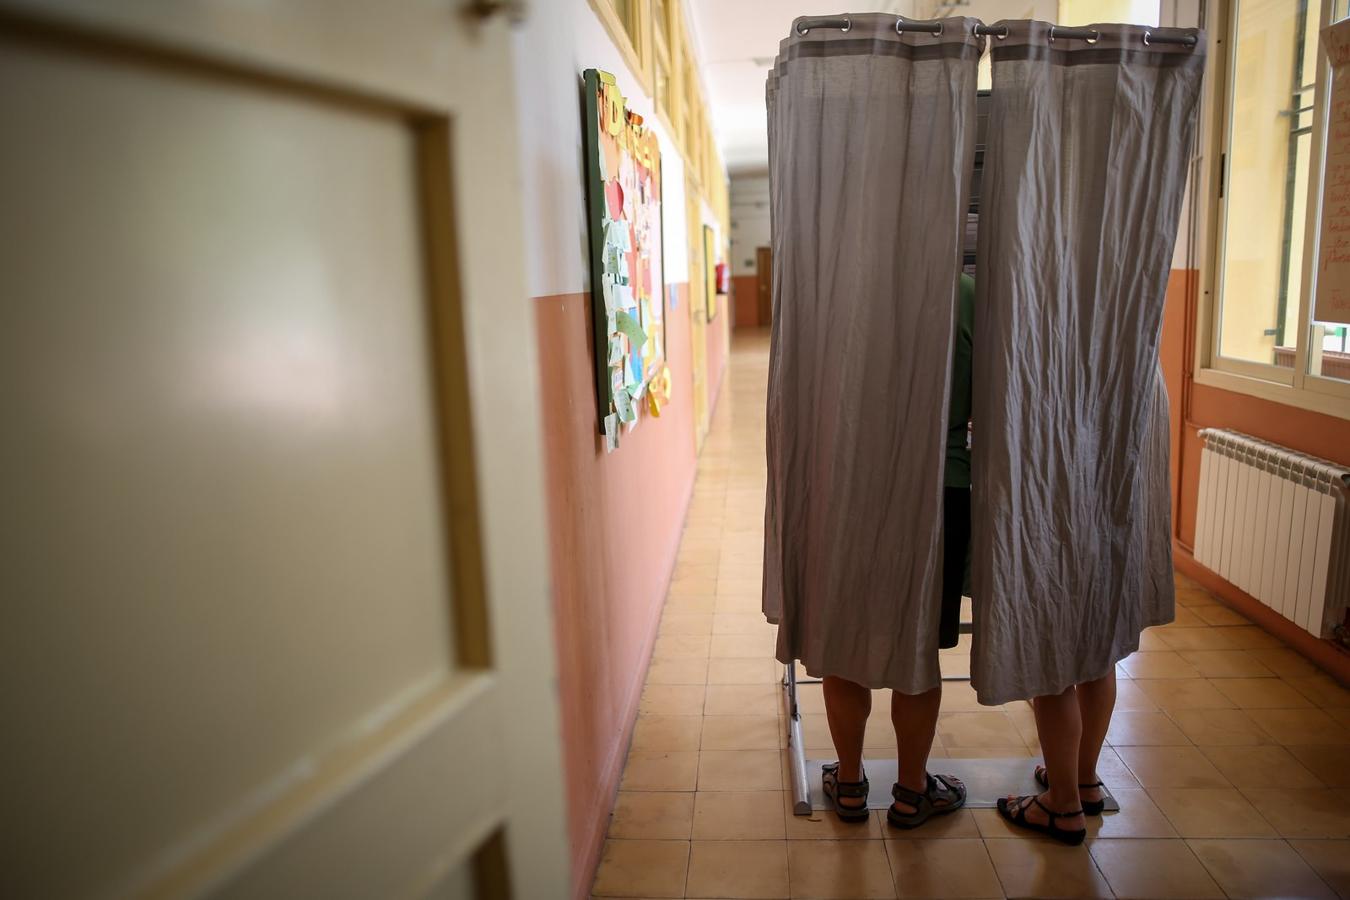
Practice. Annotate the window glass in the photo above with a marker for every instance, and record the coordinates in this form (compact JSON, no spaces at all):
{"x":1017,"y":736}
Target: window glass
{"x":1265,"y":172}
{"x":1329,"y":342}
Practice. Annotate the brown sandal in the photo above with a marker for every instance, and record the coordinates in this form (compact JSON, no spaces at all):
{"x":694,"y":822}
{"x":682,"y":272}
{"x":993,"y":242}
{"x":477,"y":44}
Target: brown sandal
{"x":836,"y":790}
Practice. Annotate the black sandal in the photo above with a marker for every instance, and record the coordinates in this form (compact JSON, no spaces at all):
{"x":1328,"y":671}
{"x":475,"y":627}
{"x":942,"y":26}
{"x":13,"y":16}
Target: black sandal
{"x":836,"y":790}
{"x":940,"y":787}
{"x":1019,"y":818}
{"x":1090,"y":807}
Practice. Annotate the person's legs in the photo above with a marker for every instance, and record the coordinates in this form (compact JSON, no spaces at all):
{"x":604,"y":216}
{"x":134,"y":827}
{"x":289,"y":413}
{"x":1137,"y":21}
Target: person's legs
{"x":1096,"y":702}
{"x":915,"y":719}
{"x":1059,"y":725}
{"x":847,"y":706}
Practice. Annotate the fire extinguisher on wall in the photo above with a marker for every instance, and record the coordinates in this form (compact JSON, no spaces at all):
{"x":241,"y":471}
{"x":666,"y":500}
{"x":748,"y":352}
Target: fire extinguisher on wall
{"x":723,"y":276}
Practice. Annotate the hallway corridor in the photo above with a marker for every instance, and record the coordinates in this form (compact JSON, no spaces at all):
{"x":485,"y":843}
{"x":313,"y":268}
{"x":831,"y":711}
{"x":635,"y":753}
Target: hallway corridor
{"x":1227,"y":752}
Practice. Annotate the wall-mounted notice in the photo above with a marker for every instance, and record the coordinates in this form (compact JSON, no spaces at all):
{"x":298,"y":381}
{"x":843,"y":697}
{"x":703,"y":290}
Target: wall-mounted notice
{"x":623,"y":181}
{"x":1333,"y":264}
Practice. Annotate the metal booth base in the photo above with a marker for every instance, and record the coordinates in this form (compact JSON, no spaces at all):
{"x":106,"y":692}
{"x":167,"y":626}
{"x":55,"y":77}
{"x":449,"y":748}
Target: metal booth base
{"x":986,"y":780}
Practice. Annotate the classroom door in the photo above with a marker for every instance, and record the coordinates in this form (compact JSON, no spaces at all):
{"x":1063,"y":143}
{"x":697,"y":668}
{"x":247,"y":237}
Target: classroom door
{"x":276,"y":605}
{"x":764,"y":285}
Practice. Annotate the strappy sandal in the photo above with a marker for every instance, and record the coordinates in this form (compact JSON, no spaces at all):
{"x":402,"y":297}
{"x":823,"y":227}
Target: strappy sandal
{"x":1018,"y":817}
{"x":1090,"y":807}
{"x":836,"y":790}
{"x":926,"y":805}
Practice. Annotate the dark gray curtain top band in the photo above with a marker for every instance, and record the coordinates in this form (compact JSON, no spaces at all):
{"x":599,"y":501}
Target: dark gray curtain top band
{"x":1114,"y":45}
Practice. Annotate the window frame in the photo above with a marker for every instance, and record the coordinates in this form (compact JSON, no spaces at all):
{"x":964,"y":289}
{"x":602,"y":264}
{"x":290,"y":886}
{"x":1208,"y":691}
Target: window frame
{"x":1290,"y":386}
{"x":636,"y":49}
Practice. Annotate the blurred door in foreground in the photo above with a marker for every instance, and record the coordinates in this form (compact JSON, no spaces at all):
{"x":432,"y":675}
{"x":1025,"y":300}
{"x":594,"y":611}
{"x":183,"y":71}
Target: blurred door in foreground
{"x":275,"y":601}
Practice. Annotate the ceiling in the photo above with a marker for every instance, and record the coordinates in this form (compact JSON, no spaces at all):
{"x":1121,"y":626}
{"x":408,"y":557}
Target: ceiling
{"x":738,"y":39}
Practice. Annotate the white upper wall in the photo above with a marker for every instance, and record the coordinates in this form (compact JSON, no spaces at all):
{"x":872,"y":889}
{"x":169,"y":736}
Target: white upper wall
{"x":749,"y":221}
{"x":557,"y":42}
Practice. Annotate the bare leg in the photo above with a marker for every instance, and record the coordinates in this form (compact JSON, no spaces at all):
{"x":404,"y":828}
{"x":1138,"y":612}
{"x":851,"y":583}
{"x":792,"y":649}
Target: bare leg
{"x":1060,"y":727}
{"x":846,"y":708}
{"x":915,"y":719}
{"x":1096,"y":702}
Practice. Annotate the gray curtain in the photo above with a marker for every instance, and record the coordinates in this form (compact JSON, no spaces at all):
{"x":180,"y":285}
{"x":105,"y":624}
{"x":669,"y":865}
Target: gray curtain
{"x":1085,"y":168}
{"x":871,"y":141}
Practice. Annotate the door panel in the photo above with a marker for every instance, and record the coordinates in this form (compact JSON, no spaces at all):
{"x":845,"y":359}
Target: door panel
{"x":270,"y":629}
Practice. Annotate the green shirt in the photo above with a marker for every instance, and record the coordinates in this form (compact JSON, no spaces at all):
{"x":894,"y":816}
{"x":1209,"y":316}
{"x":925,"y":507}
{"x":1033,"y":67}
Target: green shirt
{"x":958,"y":412}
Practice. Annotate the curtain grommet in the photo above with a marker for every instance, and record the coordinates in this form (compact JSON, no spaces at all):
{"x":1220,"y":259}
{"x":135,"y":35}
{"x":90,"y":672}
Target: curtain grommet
{"x":1096,"y":36}
{"x":1147,"y":34}
{"x":801,"y":30}
{"x":848,"y":23}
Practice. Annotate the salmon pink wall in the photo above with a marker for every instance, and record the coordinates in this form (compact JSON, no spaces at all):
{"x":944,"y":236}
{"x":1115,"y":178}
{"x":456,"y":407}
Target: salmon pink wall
{"x":1196,"y":406}
{"x":614,"y":528}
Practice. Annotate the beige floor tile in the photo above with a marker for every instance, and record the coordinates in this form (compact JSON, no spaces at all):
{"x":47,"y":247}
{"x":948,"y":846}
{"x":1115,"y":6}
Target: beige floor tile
{"x":1153,"y":868}
{"x":702,"y":585}
{"x":753,"y":869}
{"x":652,"y":815}
{"x":1173,"y":694}
{"x":738,"y":816}
{"x":1250,"y":637}
{"x":1327,"y":763}
{"x":1220,"y":727}
{"x":658,"y":770}
{"x":743,"y":733}
{"x":740,"y":770}
{"x":642,"y":869}
{"x":667,"y":732}
{"x":1191,"y":594}
{"x":1203,"y":638}
{"x":810,"y":699}
{"x":1304,"y":813}
{"x":1171,"y":767}
{"x":1164,"y":664}
{"x":741,"y":623}
{"x":1185,"y":618}
{"x":1227,"y":663}
{"x":672,"y":700}
{"x":1322,"y":690}
{"x":694,"y":603}
{"x":1312,"y":727}
{"x":839,"y":869}
{"x":1134,"y":728}
{"x":1151,"y":639}
{"x":824,"y":825}
{"x":978,"y":729}
{"x":742,"y":605}
{"x":1269,"y":766}
{"x":959,"y":696}
{"x":1211,"y":813}
{"x":953,"y":868}
{"x":1260,"y":869}
{"x":742,"y":646}
{"x":1216,"y":614}
{"x":1261,"y":693}
{"x":682,"y":646}
{"x":1284,"y":662}
{"x":1043,"y":868}
{"x":744,"y":671}
{"x":677,"y":671}
{"x":1129,"y":696}
{"x":1112,"y":770}
{"x":686,"y":623}
{"x":1329,"y":859}
{"x":1139,"y":817}
{"x":743,"y":700}
{"x":878,"y":736}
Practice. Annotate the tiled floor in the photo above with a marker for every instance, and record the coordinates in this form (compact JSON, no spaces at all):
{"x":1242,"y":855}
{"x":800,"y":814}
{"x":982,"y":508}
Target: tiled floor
{"x":1230,"y":754}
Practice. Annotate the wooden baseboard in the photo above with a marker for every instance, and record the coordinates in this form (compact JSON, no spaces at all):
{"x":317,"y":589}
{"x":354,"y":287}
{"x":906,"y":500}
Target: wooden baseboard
{"x":1324,"y":654}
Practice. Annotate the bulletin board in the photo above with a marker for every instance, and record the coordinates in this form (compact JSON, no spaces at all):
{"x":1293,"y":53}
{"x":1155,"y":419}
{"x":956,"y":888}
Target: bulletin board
{"x":623,"y":179}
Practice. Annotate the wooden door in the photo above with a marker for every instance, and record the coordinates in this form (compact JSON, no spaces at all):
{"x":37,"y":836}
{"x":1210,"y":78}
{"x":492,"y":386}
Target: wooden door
{"x":271,"y":536}
{"x":764,"y":285}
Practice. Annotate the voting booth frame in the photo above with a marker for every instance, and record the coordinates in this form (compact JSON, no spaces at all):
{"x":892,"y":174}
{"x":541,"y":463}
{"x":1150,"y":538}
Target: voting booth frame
{"x":986,"y":779}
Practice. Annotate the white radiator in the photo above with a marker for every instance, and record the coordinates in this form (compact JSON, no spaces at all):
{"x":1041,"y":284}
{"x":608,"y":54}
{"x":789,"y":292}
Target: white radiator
{"x":1276,"y":523}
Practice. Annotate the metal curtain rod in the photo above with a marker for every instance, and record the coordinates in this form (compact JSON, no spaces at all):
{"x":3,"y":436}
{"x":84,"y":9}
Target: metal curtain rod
{"x":1091,"y":35}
